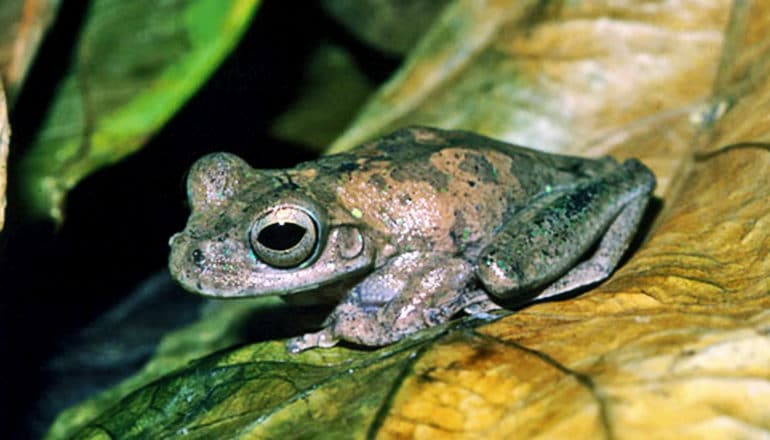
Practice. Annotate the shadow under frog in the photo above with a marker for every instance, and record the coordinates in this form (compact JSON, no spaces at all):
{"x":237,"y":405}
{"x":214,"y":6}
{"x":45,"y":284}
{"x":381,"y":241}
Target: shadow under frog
{"x":403,"y":232}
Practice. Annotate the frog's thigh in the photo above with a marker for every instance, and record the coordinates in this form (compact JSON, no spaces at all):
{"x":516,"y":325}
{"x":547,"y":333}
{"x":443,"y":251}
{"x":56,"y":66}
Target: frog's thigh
{"x":436,"y":288}
{"x":611,"y":248}
{"x":546,"y":240}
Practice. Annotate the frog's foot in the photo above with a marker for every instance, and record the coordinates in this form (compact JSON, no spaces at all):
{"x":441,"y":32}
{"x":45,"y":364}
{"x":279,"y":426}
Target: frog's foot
{"x":606,"y":258}
{"x":323,"y":339}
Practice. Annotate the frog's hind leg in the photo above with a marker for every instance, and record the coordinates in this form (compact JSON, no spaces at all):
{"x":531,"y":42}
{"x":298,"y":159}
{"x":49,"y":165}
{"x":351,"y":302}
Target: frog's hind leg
{"x":611,"y":249}
{"x":541,"y":247}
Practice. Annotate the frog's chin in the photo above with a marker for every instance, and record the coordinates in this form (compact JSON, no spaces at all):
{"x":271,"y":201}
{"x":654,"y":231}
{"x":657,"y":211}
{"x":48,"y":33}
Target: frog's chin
{"x":329,"y":292}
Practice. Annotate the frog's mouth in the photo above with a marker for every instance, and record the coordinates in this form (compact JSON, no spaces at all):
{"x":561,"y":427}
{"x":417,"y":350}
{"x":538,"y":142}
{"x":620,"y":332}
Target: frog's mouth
{"x":226,"y":269}
{"x":327,"y":293}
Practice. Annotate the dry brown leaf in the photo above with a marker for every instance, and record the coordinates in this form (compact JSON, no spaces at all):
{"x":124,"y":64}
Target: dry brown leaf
{"x":23,"y":24}
{"x":742,"y":92}
{"x":5,"y":133}
{"x":559,"y":76}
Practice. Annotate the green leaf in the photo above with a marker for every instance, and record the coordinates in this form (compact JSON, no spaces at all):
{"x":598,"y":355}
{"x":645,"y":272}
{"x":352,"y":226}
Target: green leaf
{"x":389,"y":25}
{"x":332,"y":91}
{"x":262,"y":391}
{"x":136,"y":63}
{"x":222,"y":325}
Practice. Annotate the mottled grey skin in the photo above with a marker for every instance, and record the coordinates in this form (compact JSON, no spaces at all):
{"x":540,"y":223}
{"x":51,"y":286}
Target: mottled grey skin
{"x":406,"y":231}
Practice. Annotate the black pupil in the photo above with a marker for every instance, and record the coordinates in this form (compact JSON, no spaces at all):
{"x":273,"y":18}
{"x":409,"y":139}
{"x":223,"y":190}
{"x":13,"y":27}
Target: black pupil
{"x":281,"y":236}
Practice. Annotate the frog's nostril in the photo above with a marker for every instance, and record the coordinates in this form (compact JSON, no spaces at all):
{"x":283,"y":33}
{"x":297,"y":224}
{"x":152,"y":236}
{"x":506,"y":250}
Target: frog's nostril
{"x":198,"y":258}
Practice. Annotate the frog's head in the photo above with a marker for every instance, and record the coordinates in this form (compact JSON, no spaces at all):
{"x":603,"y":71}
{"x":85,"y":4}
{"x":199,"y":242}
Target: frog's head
{"x":255,"y":232}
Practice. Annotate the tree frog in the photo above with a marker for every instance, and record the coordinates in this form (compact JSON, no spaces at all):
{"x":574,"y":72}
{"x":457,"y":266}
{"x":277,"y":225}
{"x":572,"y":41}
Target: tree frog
{"x":404,"y":232}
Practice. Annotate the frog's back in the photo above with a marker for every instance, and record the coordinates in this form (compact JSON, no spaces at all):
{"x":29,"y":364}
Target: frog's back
{"x":413,"y":147}
{"x":444,"y":190}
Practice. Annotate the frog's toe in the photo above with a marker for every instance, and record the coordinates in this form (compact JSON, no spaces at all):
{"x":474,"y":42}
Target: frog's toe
{"x":323,"y":339}
{"x":481,"y":307}
{"x":433,"y":317}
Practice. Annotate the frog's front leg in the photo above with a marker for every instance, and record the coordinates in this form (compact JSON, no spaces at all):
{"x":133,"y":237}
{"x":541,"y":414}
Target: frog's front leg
{"x":541,"y":247}
{"x":412,"y":292}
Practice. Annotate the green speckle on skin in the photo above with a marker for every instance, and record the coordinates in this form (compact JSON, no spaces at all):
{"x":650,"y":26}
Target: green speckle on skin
{"x":252,"y":257}
{"x":355,"y":212}
{"x":466,"y":233}
{"x":548,"y":189}
{"x":494,"y":172}
{"x":501,"y":264}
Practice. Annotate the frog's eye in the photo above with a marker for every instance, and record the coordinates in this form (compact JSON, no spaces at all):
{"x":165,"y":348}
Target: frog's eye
{"x":285,"y":236}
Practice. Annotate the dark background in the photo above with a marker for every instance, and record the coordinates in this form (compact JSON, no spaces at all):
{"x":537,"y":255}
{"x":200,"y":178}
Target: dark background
{"x":113,"y":244}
